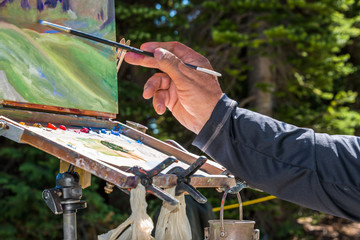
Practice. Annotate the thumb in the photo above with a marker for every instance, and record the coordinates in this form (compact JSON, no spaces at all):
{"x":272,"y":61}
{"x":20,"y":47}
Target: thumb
{"x":168,"y":63}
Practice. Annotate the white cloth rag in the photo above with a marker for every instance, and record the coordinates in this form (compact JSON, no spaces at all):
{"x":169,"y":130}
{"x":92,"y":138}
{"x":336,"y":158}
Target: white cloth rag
{"x":173,"y":222}
{"x":140,"y":223}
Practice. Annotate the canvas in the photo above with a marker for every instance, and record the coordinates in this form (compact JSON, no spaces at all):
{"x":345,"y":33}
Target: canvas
{"x":42,"y":66}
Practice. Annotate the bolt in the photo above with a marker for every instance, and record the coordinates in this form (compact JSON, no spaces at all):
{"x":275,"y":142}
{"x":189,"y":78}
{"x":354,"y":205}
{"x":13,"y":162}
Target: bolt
{"x":3,"y":126}
{"x":109,"y":188}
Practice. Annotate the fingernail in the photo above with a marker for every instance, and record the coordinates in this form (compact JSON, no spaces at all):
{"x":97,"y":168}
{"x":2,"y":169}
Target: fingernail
{"x":160,"y":108}
{"x":159,"y":53}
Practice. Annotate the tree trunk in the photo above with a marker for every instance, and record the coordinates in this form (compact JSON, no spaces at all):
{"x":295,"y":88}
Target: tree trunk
{"x":261,"y":79}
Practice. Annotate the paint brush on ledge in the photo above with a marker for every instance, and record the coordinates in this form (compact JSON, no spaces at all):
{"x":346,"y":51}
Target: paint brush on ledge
{"x":117,"y":45}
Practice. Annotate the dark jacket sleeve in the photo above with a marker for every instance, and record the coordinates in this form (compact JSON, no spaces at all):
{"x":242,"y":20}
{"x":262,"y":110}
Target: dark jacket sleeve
{"x":318,"y":171}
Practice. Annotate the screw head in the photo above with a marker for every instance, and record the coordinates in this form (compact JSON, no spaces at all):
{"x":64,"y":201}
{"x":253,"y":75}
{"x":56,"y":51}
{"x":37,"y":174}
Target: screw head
{"x":46,"y":195}
{"x":145,"y":181}
{"x":223,"y":234}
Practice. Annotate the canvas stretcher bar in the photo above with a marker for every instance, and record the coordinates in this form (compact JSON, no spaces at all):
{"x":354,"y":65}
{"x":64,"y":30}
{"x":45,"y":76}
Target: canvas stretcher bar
{"x":48,"y":108}
{"x":106,"y":171}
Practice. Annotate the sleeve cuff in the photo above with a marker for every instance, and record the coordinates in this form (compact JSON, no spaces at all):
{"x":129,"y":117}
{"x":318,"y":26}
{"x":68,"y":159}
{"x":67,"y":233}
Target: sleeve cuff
{"x":213,"y":126}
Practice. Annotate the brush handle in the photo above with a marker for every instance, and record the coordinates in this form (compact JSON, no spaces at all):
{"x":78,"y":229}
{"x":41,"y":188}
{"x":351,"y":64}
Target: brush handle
{"x":111,"y":43}
{"x":118,"y":45}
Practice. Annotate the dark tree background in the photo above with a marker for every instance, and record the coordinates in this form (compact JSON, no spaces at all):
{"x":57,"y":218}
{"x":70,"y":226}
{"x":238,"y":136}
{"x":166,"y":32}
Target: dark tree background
{"x":295,"y":60}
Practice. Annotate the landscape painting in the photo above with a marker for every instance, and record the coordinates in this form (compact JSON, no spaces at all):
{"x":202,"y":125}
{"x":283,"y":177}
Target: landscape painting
{"x":41,"y":66}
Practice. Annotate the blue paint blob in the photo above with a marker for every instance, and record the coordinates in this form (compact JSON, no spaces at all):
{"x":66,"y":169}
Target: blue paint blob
{"x":116,"y":133}
{"x":118,"y":128}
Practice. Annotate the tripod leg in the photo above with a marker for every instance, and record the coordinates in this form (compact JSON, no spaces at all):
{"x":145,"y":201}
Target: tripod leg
{"x":69,"y":225}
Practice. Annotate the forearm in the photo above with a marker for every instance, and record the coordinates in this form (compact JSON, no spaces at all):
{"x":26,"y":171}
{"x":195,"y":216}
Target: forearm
{"x":314,"y":170}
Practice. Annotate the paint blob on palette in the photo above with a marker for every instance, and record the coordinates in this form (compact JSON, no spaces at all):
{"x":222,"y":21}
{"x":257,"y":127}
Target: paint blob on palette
{"x":108,"y":146}
{"x":42,"y":66}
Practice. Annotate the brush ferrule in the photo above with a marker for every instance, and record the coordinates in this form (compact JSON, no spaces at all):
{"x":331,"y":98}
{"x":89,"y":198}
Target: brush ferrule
{"x":55,"y":26}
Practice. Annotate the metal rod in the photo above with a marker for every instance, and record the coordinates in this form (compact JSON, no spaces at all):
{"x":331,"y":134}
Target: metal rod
{"x":69,"y":225}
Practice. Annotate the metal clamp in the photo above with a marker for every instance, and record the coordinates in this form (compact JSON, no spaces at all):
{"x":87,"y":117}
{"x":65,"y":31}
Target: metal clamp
{"x":11,"y":130}
{"x":183,"y":180}
{"x":3,"y":126}
{"x":147,"y":182}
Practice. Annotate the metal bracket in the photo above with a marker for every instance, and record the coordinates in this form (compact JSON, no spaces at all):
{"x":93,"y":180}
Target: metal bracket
{"x":53,"y":200}
{"x":183,"y":181}
{"x":11,"y":131}
{"x":239,"y":185}
{"x":146,"y":180}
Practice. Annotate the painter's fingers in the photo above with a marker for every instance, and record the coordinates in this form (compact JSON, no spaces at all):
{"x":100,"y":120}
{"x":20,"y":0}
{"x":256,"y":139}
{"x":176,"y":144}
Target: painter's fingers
{"x":159,"y":81}
{"x":169,"y":63}
{"x":165,"y":98}
{"x":160,"y":100}
{"x":178,"y":49}
{"x":141,"y":60}
{"x":181,"y":51}
{"x":185,"y":53}
{"x":163,"y":60}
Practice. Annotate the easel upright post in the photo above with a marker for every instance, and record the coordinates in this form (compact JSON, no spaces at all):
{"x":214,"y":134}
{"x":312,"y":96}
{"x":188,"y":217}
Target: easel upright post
{"x":65,"y":199}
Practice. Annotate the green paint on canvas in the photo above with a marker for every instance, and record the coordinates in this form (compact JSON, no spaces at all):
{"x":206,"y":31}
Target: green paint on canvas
{"x":57,"y":69}
{"x":114,"y":146}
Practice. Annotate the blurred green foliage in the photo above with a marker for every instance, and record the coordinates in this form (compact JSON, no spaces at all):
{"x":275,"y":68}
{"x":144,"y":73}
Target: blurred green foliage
{"x":314,"y":49}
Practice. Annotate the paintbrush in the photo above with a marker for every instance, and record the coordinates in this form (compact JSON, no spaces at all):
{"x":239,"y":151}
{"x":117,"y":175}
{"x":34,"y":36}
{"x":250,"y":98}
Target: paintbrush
{"x":117,"y":45}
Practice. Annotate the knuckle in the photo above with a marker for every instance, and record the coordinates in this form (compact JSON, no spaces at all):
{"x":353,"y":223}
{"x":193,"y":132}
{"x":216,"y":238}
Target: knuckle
{"x":177,"y":44}
{"x":170,"y":59}
{"x":157,"y":75}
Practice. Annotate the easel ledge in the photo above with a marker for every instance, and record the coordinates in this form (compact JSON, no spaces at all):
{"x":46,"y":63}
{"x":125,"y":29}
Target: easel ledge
{"x":56,"y":109}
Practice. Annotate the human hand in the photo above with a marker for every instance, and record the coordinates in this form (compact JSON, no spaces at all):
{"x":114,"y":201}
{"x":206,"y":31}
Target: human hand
{"x":190,"y":95}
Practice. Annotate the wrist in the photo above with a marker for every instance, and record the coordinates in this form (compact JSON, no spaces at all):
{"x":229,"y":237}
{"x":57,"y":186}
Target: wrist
{"x":205,"y":116}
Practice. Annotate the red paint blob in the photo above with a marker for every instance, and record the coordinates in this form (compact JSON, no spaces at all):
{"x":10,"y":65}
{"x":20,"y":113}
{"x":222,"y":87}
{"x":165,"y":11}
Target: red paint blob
{"x":84,"y":130}
{"x":51,"y":126}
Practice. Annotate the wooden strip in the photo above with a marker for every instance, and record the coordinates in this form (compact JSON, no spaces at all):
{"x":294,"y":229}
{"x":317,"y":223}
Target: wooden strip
{"x":56,"y":109}
{"x":32,"y":117}
{"x":215,"y":181}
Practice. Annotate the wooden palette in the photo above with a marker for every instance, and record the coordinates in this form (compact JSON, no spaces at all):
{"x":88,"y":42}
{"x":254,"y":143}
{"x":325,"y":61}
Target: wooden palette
{"x":108,"y":156}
